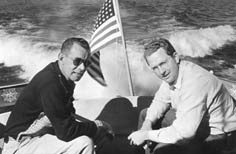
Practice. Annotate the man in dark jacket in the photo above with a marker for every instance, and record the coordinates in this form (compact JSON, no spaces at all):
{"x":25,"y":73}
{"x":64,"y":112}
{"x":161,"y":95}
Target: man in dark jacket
{"x":51,"y":92}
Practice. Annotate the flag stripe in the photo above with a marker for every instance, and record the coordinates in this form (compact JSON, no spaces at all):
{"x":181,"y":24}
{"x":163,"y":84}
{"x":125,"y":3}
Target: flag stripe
{"x":106,"y":31}
{"x":95,"y":69}
{"x":95,"y":59}
{"x":97,"y":56}
{"x":104,"y":42}
{"x":110,"y":21}
{"x":109,"y":42}
{"x":95,"y":76}
{"x":102,"y":38}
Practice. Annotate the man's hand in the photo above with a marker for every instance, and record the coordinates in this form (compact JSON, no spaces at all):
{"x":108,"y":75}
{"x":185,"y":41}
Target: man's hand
{"x":105,"y":126}
{"x":104,"y":134}
{"x":138,"y":137}
{"x":147,"y":125}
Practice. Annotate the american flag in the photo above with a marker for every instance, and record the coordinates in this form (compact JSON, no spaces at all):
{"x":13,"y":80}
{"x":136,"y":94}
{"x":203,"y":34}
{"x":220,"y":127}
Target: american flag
{"x":106,"y":31}
{"x":94,"y":70}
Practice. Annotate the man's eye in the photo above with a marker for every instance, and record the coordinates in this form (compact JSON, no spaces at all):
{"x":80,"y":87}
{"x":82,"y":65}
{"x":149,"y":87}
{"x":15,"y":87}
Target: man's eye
{"x":77,"y":61}
{"x":161,"y":64}
{"x":153,"y":68}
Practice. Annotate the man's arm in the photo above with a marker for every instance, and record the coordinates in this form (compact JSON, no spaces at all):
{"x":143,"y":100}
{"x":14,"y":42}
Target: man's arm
{"x":54,"y":102}
{"x":159,"y":105}
{"x":190,"y":112}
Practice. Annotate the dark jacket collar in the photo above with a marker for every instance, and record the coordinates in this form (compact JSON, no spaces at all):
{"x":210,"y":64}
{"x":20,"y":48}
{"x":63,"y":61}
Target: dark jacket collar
{"x":67,"y":84}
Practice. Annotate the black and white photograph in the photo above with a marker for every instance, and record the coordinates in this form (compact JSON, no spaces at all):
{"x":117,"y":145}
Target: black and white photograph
{"x":117,"y":77}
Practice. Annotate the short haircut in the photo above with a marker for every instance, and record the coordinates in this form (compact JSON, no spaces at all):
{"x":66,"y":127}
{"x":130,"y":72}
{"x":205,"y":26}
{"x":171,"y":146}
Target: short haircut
{"x":156,"y":44}
{"x":68,"y":43}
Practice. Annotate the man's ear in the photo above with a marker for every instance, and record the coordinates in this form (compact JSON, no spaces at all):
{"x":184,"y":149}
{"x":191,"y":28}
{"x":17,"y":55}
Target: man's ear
{"x":60,"y":56}
{"x":176,"y":57}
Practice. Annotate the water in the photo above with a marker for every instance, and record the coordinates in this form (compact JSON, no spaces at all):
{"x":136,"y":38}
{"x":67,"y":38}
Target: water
{"x":31,"y":32}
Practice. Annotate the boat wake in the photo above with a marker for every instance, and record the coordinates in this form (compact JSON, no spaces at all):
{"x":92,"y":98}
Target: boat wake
{"x":201,"y":42}
{"x":32,"y":56}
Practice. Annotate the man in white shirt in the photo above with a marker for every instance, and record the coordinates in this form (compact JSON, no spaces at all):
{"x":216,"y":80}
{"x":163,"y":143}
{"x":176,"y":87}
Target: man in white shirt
{"x":205,"y":111}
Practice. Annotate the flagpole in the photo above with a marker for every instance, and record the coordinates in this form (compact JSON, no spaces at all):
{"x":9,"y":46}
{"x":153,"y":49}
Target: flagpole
{"x":125,"y":49}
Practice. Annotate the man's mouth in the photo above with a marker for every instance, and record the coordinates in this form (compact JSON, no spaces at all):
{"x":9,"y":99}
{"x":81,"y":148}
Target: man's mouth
{"x":165,"y":76}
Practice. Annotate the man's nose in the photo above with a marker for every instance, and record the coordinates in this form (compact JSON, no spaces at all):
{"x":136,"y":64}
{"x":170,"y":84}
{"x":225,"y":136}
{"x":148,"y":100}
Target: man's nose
{"x":161,"y":70}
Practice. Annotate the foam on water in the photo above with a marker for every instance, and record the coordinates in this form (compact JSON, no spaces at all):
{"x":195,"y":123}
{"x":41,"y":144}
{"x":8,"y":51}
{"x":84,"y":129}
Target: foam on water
{"x":201,"y":42}
{"x":17,"y":50}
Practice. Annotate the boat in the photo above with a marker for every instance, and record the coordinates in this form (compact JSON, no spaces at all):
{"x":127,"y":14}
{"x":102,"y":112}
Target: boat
{"x":120,"y":112}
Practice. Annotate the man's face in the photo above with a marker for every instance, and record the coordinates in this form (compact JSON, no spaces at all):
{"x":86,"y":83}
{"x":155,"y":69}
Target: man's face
{"x":70,"y":68}
{"x":164,"y":66}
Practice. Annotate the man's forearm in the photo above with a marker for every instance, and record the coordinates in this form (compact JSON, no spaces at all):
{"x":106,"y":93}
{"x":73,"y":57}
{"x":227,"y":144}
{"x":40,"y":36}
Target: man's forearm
{"x":147,"y":125}
{"x":156,"y":111}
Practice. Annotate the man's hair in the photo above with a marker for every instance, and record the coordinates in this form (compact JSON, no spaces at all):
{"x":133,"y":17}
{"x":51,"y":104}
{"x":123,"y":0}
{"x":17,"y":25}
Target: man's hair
{"x":156,"y":44}
{"x":68,"y":43}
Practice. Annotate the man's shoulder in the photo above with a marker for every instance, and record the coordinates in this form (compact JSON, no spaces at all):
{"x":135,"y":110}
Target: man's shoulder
{"x":195,"y":70}
{"x":197,"y":74}
{"x":46,"y":76}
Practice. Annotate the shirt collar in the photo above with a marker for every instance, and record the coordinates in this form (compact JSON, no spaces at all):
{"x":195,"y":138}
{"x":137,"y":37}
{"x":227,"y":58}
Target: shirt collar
{"x":178,"y":83}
